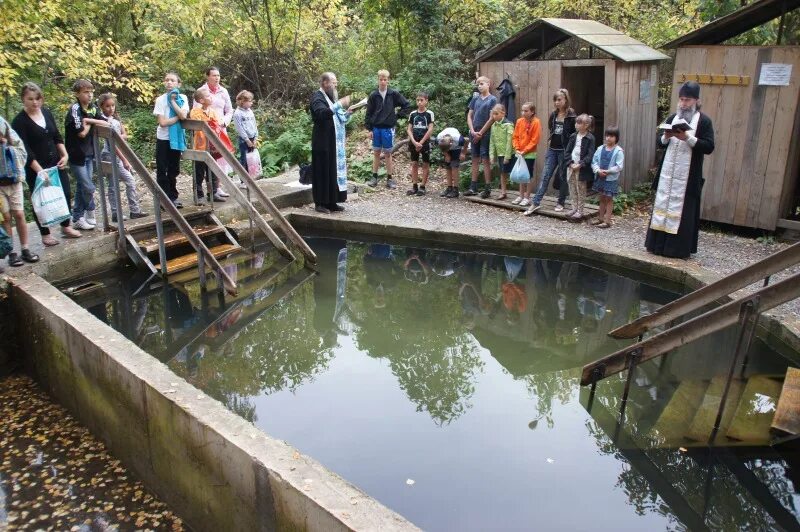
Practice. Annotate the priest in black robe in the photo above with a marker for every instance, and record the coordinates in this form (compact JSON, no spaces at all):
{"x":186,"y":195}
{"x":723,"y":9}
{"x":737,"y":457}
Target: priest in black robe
{"x":328,"y":172}
{"x":675,"y":220}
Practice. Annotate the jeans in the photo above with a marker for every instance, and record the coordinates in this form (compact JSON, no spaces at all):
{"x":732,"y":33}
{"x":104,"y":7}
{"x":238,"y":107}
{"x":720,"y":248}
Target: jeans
{"x":202,"y":173}
{"x":243,"y":149}
{"x":84,"y":188}
{"x":551,"y":162}
{"x":130,"y":188}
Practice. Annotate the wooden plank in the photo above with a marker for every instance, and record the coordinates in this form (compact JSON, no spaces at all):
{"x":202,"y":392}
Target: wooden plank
{"x":775,"y":178}
{"x":189,"y":261}
{"x":585,"y":62}
{"x":698,"y":327}
{"x":713,"y":101}
{"x":703,"y":422}
{"x":761,"y":144}
{"x":753,"y":417}
{"x":150,"y":245}
{"x":788,"y":224}
{"x":787,"y":415}
{"x":548,"y":206}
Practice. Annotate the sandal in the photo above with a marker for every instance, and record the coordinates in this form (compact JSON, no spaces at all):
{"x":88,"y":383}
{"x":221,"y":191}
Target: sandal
{"x":603,"y":225}
{"x":27,"y":256}
{"x":69,"y":232}
{"x":502,"y":196}
{"x":14,"y":260}
{"x":596,"y":221}
{"x":49,"y":241}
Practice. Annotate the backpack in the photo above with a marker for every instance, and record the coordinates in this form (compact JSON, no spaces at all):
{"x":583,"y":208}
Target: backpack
{"x":9,"y":174}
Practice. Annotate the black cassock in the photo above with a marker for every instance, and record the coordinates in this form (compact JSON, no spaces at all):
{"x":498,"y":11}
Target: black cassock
{"x":684,"y":243}
{"x":324,"y":187}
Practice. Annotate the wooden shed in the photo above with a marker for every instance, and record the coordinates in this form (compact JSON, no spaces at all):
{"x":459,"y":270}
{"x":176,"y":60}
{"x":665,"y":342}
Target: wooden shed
{"x":751,"y":94}
{"x":608,"y":74}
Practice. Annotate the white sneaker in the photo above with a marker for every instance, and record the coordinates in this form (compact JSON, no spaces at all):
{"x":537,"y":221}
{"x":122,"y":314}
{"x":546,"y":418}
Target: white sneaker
{"x":517,"y":200}
{"x":222,"y":193}
{"x":558,"y":207}
{"x":525,"y":202}
{"x":90,"y":219}
{"x":83,"y":225}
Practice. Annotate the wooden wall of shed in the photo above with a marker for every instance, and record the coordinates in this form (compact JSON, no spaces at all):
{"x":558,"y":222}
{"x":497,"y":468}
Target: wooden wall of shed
{"x":752,"y":174}
{"x":637,"y":119}
{"x":536,"y":81}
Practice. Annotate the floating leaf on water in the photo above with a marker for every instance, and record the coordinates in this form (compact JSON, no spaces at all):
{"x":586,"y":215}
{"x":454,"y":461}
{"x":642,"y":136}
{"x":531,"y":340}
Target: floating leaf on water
{"x":410,"y":482}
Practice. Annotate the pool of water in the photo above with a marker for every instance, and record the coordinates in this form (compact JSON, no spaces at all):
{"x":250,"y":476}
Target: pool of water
{"x":446,"y":385}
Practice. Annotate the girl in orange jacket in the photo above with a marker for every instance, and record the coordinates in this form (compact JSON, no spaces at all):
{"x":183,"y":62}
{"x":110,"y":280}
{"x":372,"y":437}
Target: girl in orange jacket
{"x":525,"y":141}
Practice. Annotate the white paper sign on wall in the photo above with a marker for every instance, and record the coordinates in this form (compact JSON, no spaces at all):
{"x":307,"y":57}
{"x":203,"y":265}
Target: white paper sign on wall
{"x":775,"y":74}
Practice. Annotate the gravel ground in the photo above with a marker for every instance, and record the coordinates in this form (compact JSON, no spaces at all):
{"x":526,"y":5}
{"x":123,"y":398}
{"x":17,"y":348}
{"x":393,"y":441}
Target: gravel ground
{"x":719,"y":253}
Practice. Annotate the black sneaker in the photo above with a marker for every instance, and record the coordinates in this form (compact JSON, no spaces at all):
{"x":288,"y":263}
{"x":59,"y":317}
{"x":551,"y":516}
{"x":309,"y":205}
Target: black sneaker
{"x":471,"y":192}
{"x":372,"y":182}
{"x":390,"y":183}
{"x":446,"y":192}
{"x":27,"y":256}
{"x":453,"y":193}
{"x":420,"y":191}
{"x":135,"y":215}
{"x":411,"y":191}
{"x":14,"y":260}
{"x":485,"y":193}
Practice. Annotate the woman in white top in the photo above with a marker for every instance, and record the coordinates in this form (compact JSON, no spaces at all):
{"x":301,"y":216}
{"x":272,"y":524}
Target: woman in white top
{"x":220,"y":99}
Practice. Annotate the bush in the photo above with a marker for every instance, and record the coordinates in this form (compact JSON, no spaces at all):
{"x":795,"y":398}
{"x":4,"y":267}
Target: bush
{"x":291,"y":131}
{"x":640,"y":194}
{"x":141,"y":126}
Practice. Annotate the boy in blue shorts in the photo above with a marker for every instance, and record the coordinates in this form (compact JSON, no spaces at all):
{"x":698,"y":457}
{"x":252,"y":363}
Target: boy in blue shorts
{"x":380,"y":120}
{"x":479,"y":120}
{"x":454,"y":147}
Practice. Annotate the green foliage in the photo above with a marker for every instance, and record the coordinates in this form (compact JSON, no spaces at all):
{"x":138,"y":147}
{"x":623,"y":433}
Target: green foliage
{"x":291,"y":144}
{"x":640,"y":194}
{"x":141,"y":127}
{"x":361,"y":169}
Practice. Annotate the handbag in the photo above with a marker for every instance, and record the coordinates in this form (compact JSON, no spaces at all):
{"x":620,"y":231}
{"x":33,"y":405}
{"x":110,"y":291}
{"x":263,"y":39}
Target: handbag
{"x":305,"y":174}
{"x":254,"y":163}
{"x":6,"y":245}
{"x":520,"y":173}
{"x":49,"y":202}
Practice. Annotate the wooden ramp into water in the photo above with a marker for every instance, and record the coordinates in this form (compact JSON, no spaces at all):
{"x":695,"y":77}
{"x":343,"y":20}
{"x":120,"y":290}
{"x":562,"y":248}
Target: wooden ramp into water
{"x":548,"y":205}
{"x":787,"y":414}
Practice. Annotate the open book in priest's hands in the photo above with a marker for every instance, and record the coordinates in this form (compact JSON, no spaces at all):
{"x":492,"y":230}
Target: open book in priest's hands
{"x":676,"y":127}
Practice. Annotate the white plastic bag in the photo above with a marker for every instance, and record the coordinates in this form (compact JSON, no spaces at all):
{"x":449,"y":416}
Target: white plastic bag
{"x":49,"y":202}
{"x":520,"y":174}
{"x":224,"y":166}
{"x":254,"y":164}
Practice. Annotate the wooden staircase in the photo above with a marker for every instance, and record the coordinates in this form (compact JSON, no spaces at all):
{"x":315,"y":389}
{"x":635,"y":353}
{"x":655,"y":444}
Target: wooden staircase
{"x":143,"y":247}
{"x":749,"y":417}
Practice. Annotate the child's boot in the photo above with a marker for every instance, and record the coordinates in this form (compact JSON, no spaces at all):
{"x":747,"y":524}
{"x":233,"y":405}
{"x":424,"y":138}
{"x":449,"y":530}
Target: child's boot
{"x":445,"y":193}
{"x":413,"y":190}
{"x":373,"y":181}
{"x":487,"y":191}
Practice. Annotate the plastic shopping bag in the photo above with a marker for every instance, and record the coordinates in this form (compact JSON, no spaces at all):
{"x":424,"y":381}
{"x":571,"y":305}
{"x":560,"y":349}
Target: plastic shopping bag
{"x":254,"y":164}
{"x":224,"y":166}
{"x":49,"y":202}
{"x":520,"y":174}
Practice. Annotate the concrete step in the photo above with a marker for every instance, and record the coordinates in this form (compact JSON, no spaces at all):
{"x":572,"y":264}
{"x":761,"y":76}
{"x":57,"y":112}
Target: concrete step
{"x":670,"y":428}
{"x":787,"y":415}
{"x":753,"y":417}
{"x":703,"y":422}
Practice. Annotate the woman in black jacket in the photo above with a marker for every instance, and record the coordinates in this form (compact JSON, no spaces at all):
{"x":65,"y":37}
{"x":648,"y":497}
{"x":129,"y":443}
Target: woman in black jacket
{"x":579,"y":153}
{"x":45,"y":146}
{"x":561,"y":125}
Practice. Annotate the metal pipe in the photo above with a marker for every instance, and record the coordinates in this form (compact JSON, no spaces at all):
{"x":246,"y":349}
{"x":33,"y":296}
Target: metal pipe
{"x":748,"y":319}
{"x":633,"y":358}
{"x":162,"y":249}
{"x":201,"y":270}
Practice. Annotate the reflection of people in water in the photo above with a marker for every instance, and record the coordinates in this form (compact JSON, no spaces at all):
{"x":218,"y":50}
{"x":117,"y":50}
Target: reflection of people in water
{"x":515,"y":299}
{"x":379,"y":269}
{"x":591,"y":301}
{"x":325,"y":288}
{"x":416,"y":267}
{"x":180,"y":312}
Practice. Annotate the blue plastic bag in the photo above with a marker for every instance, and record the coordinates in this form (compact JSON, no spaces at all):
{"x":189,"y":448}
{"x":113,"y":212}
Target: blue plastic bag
{"x":6,"y":245}
{"x":520,"y":173}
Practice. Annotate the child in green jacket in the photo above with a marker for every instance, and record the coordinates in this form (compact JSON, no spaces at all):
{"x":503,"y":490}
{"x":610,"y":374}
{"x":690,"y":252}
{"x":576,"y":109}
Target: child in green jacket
{"x":500,"y":148}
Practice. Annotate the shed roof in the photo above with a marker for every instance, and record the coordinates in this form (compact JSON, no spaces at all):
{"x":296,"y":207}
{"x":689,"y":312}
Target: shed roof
{"x":736,"y":23}
{"x":545,"y":33}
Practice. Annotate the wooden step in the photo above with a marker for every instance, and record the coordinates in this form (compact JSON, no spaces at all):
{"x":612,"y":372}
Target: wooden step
{"x":679,"y":412}
{"x":548,"y":205}
{"x":189,"y":261}
{"x":706,"y":415}
{"x":753,"y":417}
{"x":787,"y":415}
{"x":150,"y":245}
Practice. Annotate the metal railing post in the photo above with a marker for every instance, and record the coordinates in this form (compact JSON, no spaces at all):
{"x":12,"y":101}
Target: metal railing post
{"x":748,"y":319}
{"x":100,"y":179}
{"x":633,"y":359}
{"x":201,"y":270}
{"x":162,"y":249}
{"x":112,"y":147}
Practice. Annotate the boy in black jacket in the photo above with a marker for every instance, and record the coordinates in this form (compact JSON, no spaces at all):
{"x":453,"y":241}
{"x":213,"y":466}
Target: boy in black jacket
{"x":380,"y":120}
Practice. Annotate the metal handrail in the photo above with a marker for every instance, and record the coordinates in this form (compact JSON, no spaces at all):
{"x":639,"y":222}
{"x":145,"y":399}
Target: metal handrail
{"x":161,"y":201}
{"x":252,"y":186}
{"x":762,"y":269}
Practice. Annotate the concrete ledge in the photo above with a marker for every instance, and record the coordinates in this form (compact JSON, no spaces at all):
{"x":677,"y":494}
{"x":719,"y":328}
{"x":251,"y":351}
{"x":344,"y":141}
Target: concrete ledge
{"x":214,"y":469}
{"x":780,"y":334}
